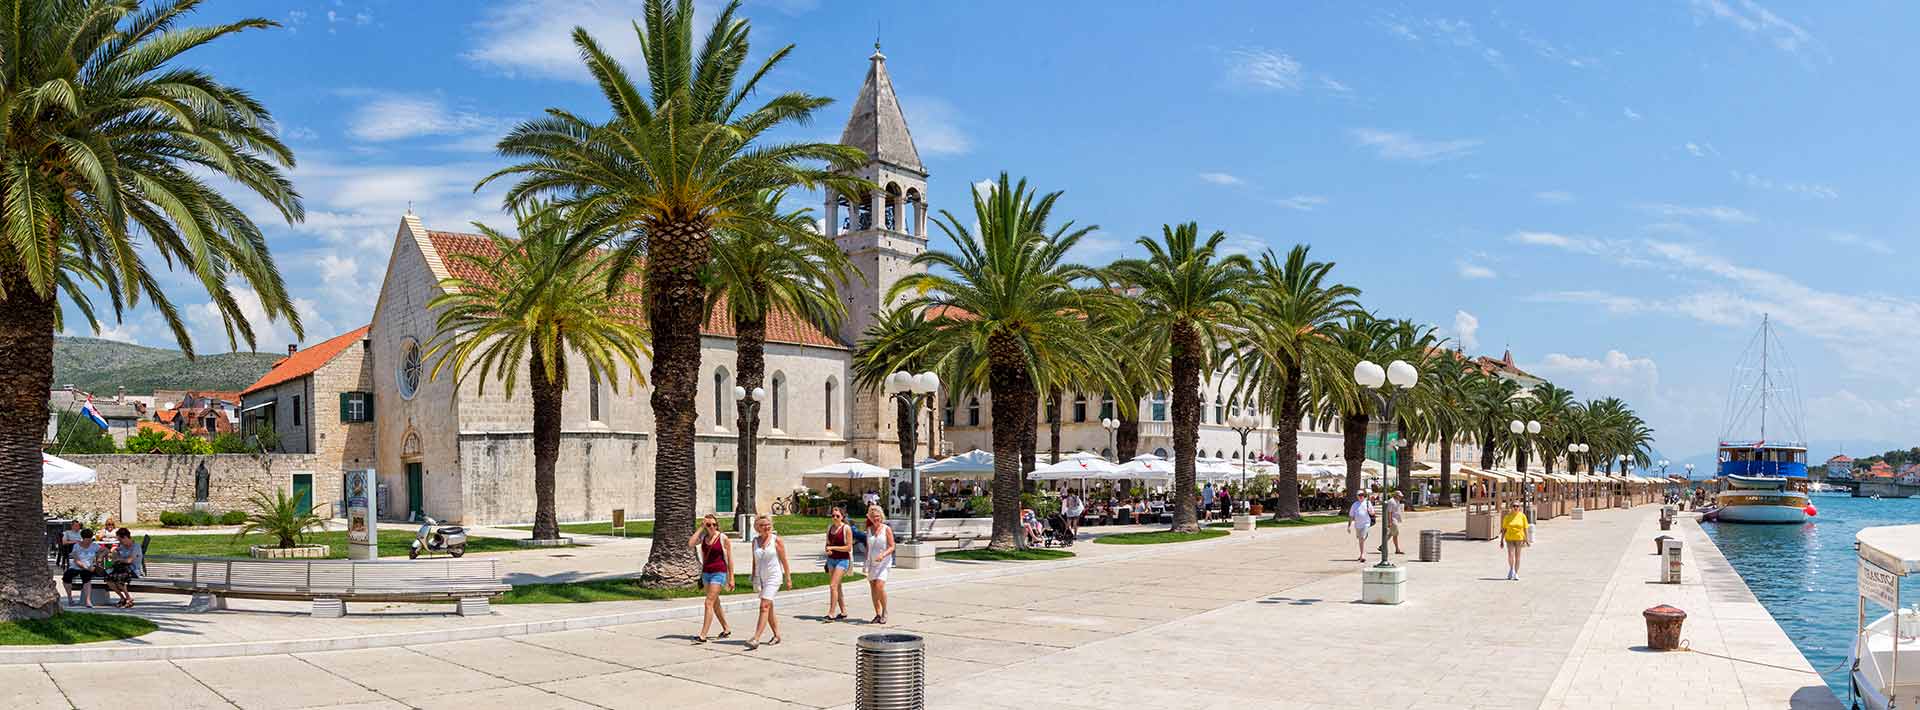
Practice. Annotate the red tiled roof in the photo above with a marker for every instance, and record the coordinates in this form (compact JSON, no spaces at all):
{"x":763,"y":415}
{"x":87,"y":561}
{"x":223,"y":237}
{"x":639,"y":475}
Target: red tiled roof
{"x":165,"y":432}
{"x":1842,"y":458}
{"x":304,"y":362}
{"x":782,"y":326}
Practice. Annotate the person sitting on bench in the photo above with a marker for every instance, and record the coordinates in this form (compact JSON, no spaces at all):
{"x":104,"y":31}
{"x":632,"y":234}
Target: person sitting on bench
{"x":83,"y":561}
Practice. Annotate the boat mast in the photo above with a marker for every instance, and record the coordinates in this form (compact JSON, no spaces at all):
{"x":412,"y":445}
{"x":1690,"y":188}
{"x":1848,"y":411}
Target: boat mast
{"x":1766,"y":391}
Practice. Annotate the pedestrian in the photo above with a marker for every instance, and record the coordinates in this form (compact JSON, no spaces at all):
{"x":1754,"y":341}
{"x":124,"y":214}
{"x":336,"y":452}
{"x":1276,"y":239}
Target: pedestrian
{"x":769,"y":574}
{"x":1207,"y":499}
{"x":1395,"y":512}
{"x":839,"y":559}
{"x":1073,"y":506}
{"x":716,"y":573}
{"x":1359,"y":518}
{"x":1513,"y":537}
{"x":127,"y":561}
{"x":68,"y":538}
{"x":83,"y":561}
{"x":879,"y":560}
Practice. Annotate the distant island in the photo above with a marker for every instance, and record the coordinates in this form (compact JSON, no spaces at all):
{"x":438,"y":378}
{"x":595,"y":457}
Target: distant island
{"x":103,"y":366}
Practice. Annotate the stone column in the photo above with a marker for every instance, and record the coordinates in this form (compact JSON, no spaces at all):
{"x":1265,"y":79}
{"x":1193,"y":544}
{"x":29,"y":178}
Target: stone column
{"x":833,"y":215}
{"x":920,"y":218}
{"x":879,"y":209}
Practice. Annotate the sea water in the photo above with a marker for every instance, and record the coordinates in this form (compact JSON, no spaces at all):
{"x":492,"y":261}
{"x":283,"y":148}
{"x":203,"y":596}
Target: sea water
{"x":1804,"y":574}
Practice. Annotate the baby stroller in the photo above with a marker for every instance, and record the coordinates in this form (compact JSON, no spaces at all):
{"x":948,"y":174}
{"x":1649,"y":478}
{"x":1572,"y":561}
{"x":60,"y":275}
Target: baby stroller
{"x":1057,"y":535}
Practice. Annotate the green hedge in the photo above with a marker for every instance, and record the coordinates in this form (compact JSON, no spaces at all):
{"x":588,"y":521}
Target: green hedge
{"x":200,"y":518}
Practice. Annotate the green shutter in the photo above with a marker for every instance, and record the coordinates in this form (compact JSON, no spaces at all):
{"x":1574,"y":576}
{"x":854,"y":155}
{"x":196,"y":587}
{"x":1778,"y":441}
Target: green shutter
{"x":366,"y":413}
{"x":343,"y":406}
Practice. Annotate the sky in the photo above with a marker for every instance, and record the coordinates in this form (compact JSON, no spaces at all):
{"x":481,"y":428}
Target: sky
{"x":1615,"y":192}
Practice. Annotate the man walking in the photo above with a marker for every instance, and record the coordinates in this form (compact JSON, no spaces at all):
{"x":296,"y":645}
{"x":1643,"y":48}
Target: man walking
{"x":1359,"y":518}
{"x":1395,"y":509}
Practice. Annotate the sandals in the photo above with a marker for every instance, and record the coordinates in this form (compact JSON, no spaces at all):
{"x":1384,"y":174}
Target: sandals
{"x":724,"y":634}
{"x":753,"y":645}
{"x":697,"y":640}
{"x":774,"y":642}
{"x":841,"y":617}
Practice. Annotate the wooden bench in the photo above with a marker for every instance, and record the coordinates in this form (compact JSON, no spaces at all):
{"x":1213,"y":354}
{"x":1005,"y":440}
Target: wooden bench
{"x":329,"y":584}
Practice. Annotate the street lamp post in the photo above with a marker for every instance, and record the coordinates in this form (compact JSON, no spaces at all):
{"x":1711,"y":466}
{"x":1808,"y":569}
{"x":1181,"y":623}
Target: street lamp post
{"x":1243,"y":423}
{"x":1111,"y":425}
{"x":1578,"y":450}
{"x":750,"y":470}
{"x":1526,"y":431}
{"x":1374,"y":380}
{"x":912,"y":391}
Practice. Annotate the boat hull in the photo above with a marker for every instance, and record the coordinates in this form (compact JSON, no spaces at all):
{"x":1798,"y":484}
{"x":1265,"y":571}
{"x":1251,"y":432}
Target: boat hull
{"x":1756,"y":507}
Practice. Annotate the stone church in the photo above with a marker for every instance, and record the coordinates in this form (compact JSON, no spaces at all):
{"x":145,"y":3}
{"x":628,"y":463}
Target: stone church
{"x":463,"y":452}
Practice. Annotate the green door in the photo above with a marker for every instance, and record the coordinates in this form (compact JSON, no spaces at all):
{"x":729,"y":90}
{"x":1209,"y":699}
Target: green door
{"x":723,"y":492}
{"x":303,"y":491}
{"x":416,"y":492}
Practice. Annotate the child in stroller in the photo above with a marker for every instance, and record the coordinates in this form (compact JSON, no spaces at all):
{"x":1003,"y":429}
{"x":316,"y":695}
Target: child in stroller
{"x":1058,"y":534}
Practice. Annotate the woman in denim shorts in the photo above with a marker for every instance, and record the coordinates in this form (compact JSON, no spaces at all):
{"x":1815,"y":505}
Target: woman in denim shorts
{"x":716,"y":573}
{"x":839,"y":560}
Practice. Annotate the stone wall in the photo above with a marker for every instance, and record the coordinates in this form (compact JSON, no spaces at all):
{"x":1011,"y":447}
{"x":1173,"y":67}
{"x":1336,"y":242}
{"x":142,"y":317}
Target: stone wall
{"x":161,"y":483}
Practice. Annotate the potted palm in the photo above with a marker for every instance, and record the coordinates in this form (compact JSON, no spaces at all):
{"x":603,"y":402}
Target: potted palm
{"x":279,"y":516}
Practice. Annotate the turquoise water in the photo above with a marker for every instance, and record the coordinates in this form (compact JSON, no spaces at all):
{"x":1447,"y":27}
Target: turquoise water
{"x":1804,"y":574}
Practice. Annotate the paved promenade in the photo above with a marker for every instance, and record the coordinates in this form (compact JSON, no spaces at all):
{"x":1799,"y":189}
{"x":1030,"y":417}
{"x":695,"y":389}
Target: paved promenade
{"x":1254,"y":620}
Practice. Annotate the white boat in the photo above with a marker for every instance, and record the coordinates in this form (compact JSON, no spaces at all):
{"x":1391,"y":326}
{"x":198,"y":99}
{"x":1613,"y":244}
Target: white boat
{"x":1885,"y":657}
{"x":1765,"y":478}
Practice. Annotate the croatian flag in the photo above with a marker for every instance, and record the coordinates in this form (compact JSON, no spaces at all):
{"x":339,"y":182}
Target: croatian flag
{"x":93,"y":414}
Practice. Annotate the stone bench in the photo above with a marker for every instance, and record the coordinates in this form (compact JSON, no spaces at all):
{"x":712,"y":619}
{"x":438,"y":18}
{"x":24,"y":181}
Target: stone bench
{"x":960,"y":529}
{"x":329,"y":584}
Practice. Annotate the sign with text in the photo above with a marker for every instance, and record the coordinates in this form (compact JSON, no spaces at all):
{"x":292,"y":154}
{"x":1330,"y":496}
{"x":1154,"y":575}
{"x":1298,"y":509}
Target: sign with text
{"x":361,"y":515}
{"x":1879,"y":586}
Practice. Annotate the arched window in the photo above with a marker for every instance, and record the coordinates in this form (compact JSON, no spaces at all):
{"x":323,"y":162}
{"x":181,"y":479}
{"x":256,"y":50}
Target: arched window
{"x":777,"y":395}
{"x":722,"y":390}
{"x":1219,"y":410}
{"x":1106,"y":406}
{"x":593,"y":394}
{"x":1159,"y":406}
{"x":1079,"y":408}
{"x":1236,"y":456}
{"x":829,"y":404}
{"x":1218,"y":454}
{"x":973,"y":411}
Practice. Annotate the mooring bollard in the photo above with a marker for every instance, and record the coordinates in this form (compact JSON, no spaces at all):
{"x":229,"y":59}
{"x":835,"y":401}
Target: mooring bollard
{"x":1429,"y":546}
{"x":1660,"y":543}
{"x":890,"y":672}
{"x":1663,"y":627}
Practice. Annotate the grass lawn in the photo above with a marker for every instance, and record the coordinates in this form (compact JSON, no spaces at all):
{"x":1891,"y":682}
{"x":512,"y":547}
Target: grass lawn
{"x":1304,"y":521}
{"x":627,"y":589}
{"x":981,"y":554}
{"x":783,"y":524}
{"x":1157,"y":537}
{"x":393,"y":543}
{"x":73,"y":627}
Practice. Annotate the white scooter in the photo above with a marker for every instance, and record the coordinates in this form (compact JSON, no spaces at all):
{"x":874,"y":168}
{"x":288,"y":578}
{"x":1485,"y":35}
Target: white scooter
{"x":451,"y":539}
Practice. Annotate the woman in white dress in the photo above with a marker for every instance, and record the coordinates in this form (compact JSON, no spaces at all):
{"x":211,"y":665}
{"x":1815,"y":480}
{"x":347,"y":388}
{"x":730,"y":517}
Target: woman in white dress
{"x":879,"y":560}
{"x":769,"y":573}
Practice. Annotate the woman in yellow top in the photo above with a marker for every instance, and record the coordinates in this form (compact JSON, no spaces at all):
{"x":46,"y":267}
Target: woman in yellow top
{"x":1513,"y":536}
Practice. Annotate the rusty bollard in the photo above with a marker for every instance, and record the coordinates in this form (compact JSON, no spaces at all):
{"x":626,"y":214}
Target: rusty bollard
{"x":1663,"y":627}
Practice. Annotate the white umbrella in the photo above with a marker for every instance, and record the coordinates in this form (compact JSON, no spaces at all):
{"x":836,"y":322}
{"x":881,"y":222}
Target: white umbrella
{"x":847,"y":468}
{"x":971,"y":463}
{"x":1071,"y":467}
{"x":56,"y":471}
{"x":1143,"y":467}
{"x":1211,"y":469}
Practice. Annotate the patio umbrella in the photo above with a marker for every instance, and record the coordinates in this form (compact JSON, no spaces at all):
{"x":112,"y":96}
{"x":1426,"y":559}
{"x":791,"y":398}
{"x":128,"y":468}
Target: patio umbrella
{"x":1144,"y":467}
{"x":1072,"y":467}
{"x":847,"y":468}
{"x":1212,"y":469}
{"x":56,"y":471}
{"x":971,"y":463}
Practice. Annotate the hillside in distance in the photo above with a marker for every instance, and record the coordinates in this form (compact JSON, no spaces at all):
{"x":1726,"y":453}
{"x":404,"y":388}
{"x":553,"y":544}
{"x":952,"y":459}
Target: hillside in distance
{"x":102,"y":366}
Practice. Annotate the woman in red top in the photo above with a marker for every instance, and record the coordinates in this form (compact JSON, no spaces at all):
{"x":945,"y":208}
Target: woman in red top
{"x":716,"y":572}
{"x":839,"y":559}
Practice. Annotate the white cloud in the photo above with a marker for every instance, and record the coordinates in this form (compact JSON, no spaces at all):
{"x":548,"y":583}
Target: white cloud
{"x":1815,"y":191}
{"x":1854,"y":240}
{"x":535,"y":37}
{"x":1700,"y":150}
{"x":1631,"y":114}
{"x":1471,"y":270}
{"x":1393,"y":145}
{"x":1446,"y":32}
{"x":1551,"y":52}
{"x":209,"y":332}
{"x":1754,"y":19}
{"x":1303,"y":203}
{"x":1273,"y":70}
{"x":1466,"y":330}
{"x":1222,"y":178}
{"x":936,"y":125}
{"x":1581,"y":245}
{"x":1555,"y":197}
{"x":389,"y":117}
{"x":983,"y":188}
{"x":1717,"y":213}
{"x":1613,"y":373}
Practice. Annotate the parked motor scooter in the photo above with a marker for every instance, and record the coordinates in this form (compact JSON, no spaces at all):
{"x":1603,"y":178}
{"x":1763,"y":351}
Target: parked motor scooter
{"x":451,"y":539}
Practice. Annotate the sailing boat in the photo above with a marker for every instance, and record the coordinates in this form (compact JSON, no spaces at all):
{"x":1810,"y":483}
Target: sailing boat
{"x":1766,"y":476}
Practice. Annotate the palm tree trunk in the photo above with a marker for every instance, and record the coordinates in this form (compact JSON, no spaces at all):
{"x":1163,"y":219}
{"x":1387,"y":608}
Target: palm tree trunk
{"x":1287,"y":446}
{"x":1403,"y":458}
{"x":26,"y":345}
{"x":903,"y":419}
{"x":547,"y":393}
{"x":1126,"y":438}
{"x":1053,"y":429}
{"x":1186,"y":423}
{"x":676,"y":307}
{"x":750,"y":359}
{"x":1520,"y":452}
{"x":1011,"y":387}
{"x":1486,"y":449}
{"x":1446,"y":467}
{"x":1353,"y":446}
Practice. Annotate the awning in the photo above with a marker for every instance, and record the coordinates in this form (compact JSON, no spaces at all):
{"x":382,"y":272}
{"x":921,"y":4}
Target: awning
{"x":971,"y":463}
{"x":847,"y":468}
{"x":262,"y":405}
{"x":56,"y":471}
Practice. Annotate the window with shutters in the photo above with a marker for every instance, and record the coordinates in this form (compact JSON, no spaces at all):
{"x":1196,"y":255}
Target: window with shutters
{"x":356,"y":407}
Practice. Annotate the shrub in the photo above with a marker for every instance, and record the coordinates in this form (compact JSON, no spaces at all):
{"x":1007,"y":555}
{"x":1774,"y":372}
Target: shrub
{"x":233,"y":517}
{"x":230,"y":443}
{"x":278,"y":517}
{"x":1042,"y":505}
{"x":982,"y":506}
{"x":79,"y":435}
{"x":199,"y":518}
{"x":174,"y":519}
{"x":147,"y":441}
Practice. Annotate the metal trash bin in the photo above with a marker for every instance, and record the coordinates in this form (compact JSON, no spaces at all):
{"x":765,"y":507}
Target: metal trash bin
{"x":890,"y":672}
{"x":1429,"y":546}
{"x":1663,"y":627}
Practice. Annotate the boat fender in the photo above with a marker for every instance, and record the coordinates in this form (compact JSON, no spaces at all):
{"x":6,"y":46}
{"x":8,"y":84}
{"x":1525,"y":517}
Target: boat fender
{"x":1810,"y":510}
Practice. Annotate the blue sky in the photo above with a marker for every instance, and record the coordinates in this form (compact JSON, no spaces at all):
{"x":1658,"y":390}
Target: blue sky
{"x":1615,"y":191}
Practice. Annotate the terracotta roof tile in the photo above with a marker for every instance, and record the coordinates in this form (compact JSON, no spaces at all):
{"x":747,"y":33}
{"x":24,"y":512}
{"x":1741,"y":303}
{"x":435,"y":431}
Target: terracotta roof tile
{"x":782,"y":326}
{"x":165,"y":432}
{"x":304,"y":362}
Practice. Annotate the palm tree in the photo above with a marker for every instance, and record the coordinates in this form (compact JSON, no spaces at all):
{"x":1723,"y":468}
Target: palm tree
{"x":110,"y":161}
{"x":1492,"y":408}
{"x":899,"y":341}
{"x":1551,"y":406}
{"x":777,"y":264}
{"x":533,"y":302}
{"x":1449,"y":411}
{"x":670,"y":165}
{"x":1417,"y":345}
{"x":1003,"y":302}
{"x":1190,"y":291}
{"x":1292,"y":307}
{"x":1360,"y":336}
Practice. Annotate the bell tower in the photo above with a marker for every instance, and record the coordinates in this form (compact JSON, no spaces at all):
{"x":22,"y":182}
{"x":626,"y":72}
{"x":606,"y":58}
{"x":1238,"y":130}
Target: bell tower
{"x":881,"y":231}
